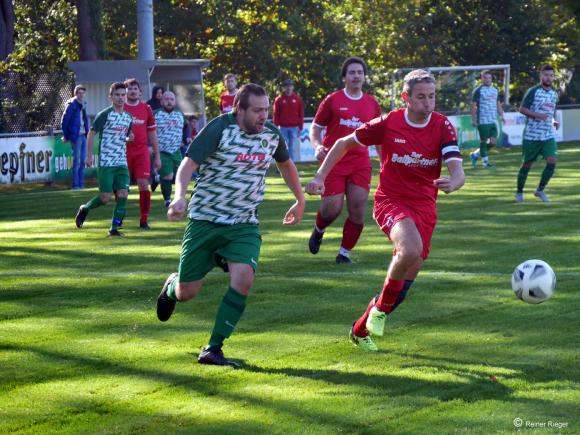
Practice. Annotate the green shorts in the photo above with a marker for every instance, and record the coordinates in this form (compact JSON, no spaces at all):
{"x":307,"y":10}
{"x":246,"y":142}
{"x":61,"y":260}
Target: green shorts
{"x":169,"y":163}
{"x":206,"y":245}
{"x":113,"y":178}
{"x":531,"y":149}
{"x":487,"y":131}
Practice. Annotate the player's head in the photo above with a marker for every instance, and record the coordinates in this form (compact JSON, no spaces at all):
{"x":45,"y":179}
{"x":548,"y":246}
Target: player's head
{"x":288,"y":86}
{"x":419,"y":92}
{"x":230,"y":82}
{"x":547,"y":75}
{"x":168,"y":101}
{"x":251,"y":106}
{"x":133,"y":90}
{"x":353,"y":72}
{"x":486,"y":77}
{"x":118,"y":94}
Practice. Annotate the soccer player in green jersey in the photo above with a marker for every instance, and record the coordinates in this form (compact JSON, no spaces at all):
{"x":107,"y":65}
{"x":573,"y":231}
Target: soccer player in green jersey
{"x":170,"y":123}
{"x":485,"y":107}
{"x":231,"y":154}
{"x":114,"y":126}
{"x":539,"y":107}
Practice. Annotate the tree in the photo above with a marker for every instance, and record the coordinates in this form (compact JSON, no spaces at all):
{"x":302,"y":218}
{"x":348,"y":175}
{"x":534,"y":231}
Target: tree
{"x":90,"y":30}
{"x":6,"y":28}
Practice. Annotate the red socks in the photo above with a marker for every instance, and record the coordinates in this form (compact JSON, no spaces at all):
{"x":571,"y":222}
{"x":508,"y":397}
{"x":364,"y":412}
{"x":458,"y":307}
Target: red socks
{"x":350,"y":234}
{"x":321,"y":224}
{"x":390,"y":294}
{"x":144,"y":205}
{"x":360,"y":326}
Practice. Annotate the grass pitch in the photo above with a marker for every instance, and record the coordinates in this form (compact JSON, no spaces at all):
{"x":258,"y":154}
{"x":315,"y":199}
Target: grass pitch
{"x":81,"y":350}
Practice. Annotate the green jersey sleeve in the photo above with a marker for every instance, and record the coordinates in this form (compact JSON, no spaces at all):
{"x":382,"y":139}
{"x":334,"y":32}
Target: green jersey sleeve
{"x":476,"y":95}
{"x":208,"y":140}
{"x":101,"y":120}
{"x":529,"y":97}
{"x":281,"y":154}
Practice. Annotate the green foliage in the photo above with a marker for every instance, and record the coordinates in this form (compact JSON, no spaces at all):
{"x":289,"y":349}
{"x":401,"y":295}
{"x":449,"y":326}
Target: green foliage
{"x":81,"y":350}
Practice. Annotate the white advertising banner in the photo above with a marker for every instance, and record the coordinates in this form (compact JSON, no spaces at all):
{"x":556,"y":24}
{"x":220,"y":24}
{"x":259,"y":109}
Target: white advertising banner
{"x":25,"y":159}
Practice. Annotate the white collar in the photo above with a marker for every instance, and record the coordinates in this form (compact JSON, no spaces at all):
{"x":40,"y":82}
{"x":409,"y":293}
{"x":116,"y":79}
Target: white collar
{"x":414,"y":124}
{"x":351,"y":97}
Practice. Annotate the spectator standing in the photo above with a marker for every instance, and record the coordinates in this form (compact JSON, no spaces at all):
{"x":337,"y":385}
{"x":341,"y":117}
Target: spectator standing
{"x":227,"y":96}
{"x":75,"y":127}
{"x":289,"y":116}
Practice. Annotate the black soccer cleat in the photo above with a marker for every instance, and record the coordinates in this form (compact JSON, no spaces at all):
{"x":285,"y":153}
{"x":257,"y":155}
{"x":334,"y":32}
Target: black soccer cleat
{"x":215,"y":356}
{"x":165,"y":305}
{"x":116,"y":233}
{"x":144,"y":226}
{"x":81,"y":216}
{"x":343,"y":259}
{"x":315,"y":241}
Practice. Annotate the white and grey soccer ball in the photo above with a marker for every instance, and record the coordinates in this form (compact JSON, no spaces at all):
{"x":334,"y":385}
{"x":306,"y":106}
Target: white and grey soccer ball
{"x":534,"y":281}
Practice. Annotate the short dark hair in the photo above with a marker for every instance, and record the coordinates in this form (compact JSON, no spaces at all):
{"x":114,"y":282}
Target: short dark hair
{"x":115,"y":86}
{"x":132,"y":82}
{"x":242,"y":98}
{"x":485,"y":72}
{"x":546,"y":67}
{"x":228,"y":75}
{"x":350,"y":61}
{"x":414,"y":77}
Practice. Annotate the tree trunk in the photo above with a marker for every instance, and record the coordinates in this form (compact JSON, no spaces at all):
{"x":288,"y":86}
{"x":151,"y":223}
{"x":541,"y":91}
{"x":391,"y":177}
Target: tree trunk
{"x":88,"y":48}
{"x":6,"y":28}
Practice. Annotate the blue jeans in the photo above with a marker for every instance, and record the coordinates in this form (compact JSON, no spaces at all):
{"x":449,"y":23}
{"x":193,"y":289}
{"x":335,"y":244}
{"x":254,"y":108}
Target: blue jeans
{"x":290,"y":135}
{"x":79,"y":156}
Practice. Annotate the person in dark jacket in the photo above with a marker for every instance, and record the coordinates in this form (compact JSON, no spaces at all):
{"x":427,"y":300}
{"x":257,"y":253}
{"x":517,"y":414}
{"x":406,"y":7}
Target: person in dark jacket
{"x":156,"y":95}
{"x":75,"y":127}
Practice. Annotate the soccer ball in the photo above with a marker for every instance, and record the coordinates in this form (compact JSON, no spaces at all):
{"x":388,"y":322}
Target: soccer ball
{"x":534,"y":281}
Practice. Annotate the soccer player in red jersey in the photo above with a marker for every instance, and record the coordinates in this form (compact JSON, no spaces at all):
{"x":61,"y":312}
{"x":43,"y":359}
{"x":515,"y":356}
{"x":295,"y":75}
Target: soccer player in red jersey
{"x":138,"y":157}
{"x":227,"y":96}
{"x":340,"y":113}
{"x":414,"y":142}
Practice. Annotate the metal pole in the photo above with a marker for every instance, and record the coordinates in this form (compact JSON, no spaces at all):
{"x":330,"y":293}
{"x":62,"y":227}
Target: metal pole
{"x":145,"y":29}
{"x":507,"y":87}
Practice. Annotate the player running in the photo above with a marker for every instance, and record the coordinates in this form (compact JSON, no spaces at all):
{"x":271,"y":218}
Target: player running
{"x":340,"y":113}
{"x":233,"y":153}
{"x":170,"y":123}
{"x":138,"y":156}
{"x":539,"y":106}
{"x":414,"y":142}
{"x":485,"y":107}
{"x":114,"y":127}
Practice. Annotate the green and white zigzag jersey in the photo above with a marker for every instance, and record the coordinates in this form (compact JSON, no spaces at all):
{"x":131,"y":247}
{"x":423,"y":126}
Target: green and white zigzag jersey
{"x":486,"y":98}
{"x":232,"y":171}
{"x":540,"y":100}
{"x":169,"y":129}
{"x":113,"y":127}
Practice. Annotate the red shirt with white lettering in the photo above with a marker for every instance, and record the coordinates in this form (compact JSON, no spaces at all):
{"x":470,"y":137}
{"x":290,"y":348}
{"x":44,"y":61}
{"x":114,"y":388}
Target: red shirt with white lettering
{"x":412,"y":154}
{"x":143,"y":121}
{"x":341,"y":115}
{"x":227,"y":102}
{"x":288,"y":111}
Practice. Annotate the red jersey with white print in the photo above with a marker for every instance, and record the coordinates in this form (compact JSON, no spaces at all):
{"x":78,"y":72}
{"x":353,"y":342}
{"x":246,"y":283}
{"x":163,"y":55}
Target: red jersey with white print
{"x":143,"y":121}
{"x":226,"y":102}
{"x":412,"y":154}
{"x":341,"y":115}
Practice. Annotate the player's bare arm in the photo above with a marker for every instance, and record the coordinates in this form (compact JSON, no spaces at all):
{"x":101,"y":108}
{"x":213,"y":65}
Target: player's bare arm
{"x":340,"y":148}
{"x":152,"y":136}
{"x":176,"y":209}
{"x":90,"y":142}
{"x":474,"y":114}
{"x":291,"y":178}
{"x":315,"y":135}
{"x":500,"y":111}
{"x":455,"y":180}
{"x":531,"y":114}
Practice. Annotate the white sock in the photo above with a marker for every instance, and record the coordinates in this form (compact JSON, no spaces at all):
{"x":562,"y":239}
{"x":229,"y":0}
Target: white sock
{"x":485,"y":159}
{"x":343,"y":252}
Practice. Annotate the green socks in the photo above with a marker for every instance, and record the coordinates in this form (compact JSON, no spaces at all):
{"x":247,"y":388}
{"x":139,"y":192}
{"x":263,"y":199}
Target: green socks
{"x":546,"y":175}
{"x":119,"y":212}
{"x":171,"y":289}
{"x":483,"y":149}
{"x":522,"y":177}
{"x":166,"y":189}
{"x":94,"y":203}
{"x":229,"y":313}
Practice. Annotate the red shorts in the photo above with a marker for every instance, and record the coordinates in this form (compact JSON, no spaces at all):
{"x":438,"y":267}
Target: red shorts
{"x":344,"y":173}
{"x":139,"y":163}
{"x":387,"y":213}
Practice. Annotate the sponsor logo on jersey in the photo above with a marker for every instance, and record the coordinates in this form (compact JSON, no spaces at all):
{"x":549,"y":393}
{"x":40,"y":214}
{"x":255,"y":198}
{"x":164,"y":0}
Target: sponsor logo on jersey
{"x":354,"y":122}
{"x":343,"y":108}
{"x":399,"y":140}
{"x":415,"y":159}
{"x":250,"y":157}
{"x":138,"y":121}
